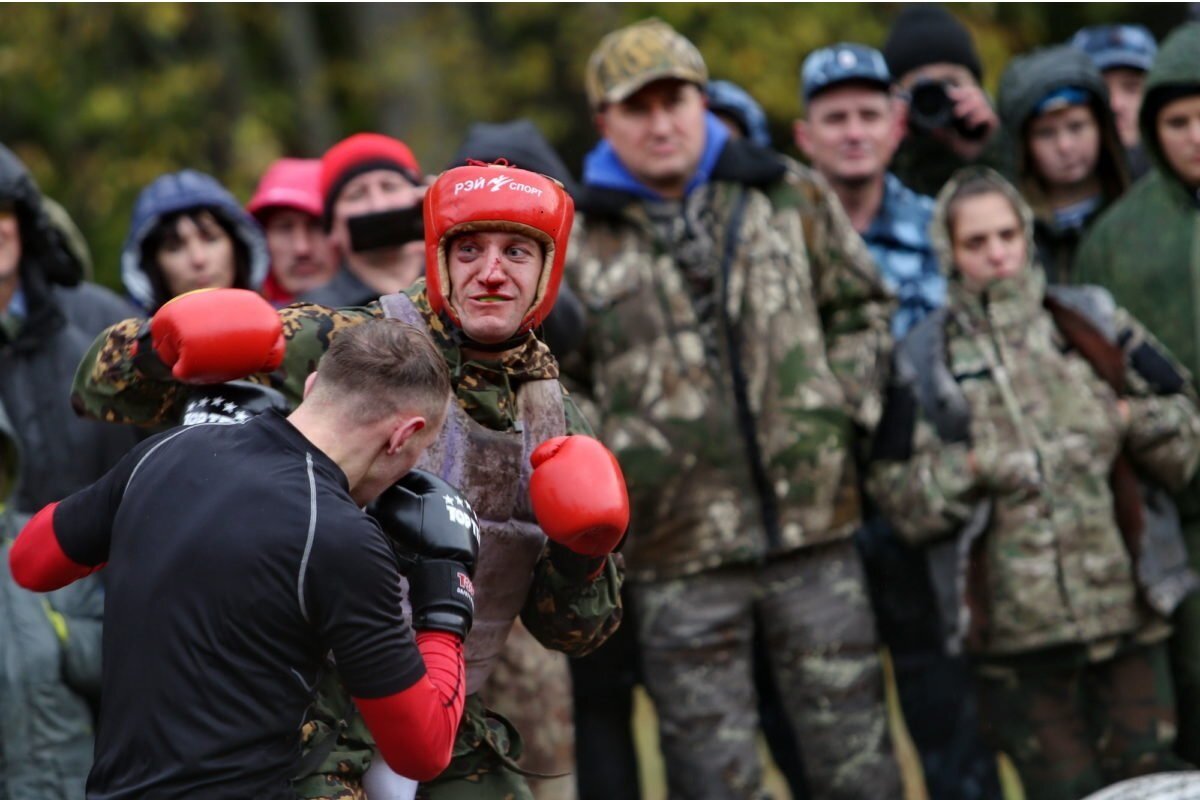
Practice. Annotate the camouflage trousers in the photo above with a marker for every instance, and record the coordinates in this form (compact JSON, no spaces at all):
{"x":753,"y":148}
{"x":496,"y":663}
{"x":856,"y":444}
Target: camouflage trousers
{"x":696,"y":636}
{"x":337,"y":748}
{"x":1072,"y":727}
{"x":531,"y":687}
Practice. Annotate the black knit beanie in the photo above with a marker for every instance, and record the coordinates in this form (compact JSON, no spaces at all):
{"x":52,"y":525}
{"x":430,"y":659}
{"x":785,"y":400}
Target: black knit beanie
{"x":929,"y":34}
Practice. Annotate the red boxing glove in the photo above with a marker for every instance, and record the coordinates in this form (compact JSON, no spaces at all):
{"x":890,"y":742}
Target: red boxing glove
{"x":578,"y":494}
{"x":217,"y":335}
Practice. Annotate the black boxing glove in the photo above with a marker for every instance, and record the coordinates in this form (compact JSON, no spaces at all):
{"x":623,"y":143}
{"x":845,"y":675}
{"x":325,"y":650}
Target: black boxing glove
{"x":436,"y":538}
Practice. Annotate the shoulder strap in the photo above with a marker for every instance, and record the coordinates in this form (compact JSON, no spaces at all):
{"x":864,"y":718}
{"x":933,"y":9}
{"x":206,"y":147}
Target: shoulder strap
{"x":1094,"y":303}
{"x":1086,"y":318}
{"x":398,"y":306}
{"x":921,"y":359}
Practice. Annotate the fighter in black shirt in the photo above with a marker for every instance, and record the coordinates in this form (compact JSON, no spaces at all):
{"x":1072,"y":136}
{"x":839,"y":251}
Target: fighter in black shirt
{"x":237,"y":557}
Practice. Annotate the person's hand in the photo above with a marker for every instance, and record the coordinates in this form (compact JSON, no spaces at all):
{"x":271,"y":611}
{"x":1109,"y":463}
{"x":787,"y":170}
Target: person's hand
{"x":436,"y":539}
{"x":1001,"y":470}
{"x":214,"y":336}
{"x":972,"y":109}
{"x":1124,"y":411}
{"x":580,"y":501}
{"x":578,"y":494}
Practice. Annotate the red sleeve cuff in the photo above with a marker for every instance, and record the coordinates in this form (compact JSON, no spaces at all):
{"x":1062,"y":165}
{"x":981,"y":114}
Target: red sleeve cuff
{"x":37,"y":560}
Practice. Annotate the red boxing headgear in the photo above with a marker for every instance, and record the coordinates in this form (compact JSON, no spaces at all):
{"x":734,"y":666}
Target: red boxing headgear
{"x":496,"y":197}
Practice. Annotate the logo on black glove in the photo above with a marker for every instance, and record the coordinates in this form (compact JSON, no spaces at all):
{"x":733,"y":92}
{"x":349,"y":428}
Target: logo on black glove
{"x":460,"y":511}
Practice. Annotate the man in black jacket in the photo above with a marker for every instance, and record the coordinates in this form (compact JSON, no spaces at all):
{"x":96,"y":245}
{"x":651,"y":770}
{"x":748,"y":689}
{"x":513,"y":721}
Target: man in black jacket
{"x":48,"y":319}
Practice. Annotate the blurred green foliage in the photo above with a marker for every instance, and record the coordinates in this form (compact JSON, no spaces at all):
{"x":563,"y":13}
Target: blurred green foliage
{"x":99,"y":99}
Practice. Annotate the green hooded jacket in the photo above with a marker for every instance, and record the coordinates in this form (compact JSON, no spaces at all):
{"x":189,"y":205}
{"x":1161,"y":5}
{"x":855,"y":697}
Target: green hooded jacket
{"x":1028,"y":79}
{"x":49,"y":667}
{"x":1146,"y":248}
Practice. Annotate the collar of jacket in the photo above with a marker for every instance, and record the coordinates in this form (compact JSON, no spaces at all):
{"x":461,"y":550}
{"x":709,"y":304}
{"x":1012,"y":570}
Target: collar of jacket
{"x":740,"y":162}
{"x":43,"y":317}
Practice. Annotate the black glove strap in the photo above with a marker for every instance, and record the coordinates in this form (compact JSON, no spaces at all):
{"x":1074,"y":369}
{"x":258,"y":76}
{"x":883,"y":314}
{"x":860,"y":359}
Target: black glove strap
{"x":574,"y":566}
{"x":442,"y":596}
{"x":147,"y":361}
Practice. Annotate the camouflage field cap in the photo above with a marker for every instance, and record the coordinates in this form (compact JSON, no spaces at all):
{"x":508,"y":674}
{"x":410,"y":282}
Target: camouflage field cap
{"x":629,"y":58}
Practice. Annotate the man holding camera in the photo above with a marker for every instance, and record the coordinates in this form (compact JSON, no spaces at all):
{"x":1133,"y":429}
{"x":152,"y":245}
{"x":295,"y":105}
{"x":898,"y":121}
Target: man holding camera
{"x":951,"y":123}
{"x":372,"y":187}
{"x":850,"y":132}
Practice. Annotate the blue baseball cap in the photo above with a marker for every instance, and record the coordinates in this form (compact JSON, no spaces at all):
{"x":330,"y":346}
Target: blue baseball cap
{"x":1112,"y":46}
{"x":726,"y":97}
{"x":841,"y":63}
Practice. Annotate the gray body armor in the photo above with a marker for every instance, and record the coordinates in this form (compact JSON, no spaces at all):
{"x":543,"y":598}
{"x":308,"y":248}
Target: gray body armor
{"x":492,"y":470}
{"x":1162,"y":572}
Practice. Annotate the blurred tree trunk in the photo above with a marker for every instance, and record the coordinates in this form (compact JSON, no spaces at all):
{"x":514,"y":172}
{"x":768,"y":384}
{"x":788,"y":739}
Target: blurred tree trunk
{"x":225,"y":33}
{"x":409,"y":89}
{"x":318,"y":129}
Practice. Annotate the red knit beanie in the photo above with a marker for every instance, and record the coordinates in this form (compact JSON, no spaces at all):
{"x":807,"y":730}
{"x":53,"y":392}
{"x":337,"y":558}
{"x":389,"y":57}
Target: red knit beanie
{"x":363,"y":152}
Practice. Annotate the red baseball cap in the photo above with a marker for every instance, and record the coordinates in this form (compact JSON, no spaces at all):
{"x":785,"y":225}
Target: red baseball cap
{"x":289,"y":183}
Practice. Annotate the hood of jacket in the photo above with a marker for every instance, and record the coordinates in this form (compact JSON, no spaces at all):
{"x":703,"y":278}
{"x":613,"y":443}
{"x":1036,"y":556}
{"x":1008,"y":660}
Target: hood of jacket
{"x":737,"y":161}
{"x":939,"y":228}
{"x":179,"y":191}
{"x":45,"y":249}
{"x":1026,"y":81}
{"x":521,"y":143}
{"x":1177,"y":65}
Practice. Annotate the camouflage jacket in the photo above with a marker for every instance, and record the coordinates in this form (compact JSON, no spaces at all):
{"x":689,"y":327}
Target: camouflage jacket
{"x":737,"y":345}
{"x":1050,"y":567}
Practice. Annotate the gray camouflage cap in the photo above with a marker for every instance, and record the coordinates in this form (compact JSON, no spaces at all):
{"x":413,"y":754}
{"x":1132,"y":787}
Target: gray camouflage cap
{"x":629,"y":58}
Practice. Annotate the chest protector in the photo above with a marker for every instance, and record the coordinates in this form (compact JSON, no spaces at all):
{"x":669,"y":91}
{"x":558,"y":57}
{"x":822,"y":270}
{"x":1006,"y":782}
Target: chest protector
{"x":492,"y":470}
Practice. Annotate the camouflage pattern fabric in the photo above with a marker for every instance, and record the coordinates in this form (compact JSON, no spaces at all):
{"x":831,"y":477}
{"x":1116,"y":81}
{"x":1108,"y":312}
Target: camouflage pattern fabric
{"x":565,"y":614}
{"x":820,"y":636}
{"x":484,"y":763}
{"x":1052,"y":567}
{"x":629,"y":58}
{"x":531,"y":686}
{"x":809,"y":314}
{"x":1072,"y":727}
{"x":338,"y":775}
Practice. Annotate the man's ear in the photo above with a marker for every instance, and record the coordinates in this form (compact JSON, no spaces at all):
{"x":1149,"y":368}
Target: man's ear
{"x":403,"y":431}
{"x":900,"y":113}
{"x":309,"y":383}
{"x":800,"y":136}
{"x":599,"y":121}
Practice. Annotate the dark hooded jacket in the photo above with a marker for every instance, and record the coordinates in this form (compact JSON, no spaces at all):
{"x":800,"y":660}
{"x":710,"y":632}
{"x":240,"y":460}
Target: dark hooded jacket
{"x":1146,"y":248}
{"x":62,"y":316}
{"x":182,"y":191}
{"x":49,"y":668}
{"x":1028,"y":79}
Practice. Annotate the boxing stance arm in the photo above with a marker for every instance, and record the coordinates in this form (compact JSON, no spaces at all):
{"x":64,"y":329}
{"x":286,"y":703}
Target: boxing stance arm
{"x":114,"y":384}
{"x":432,"y":708}
{"x":37,"y":560}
